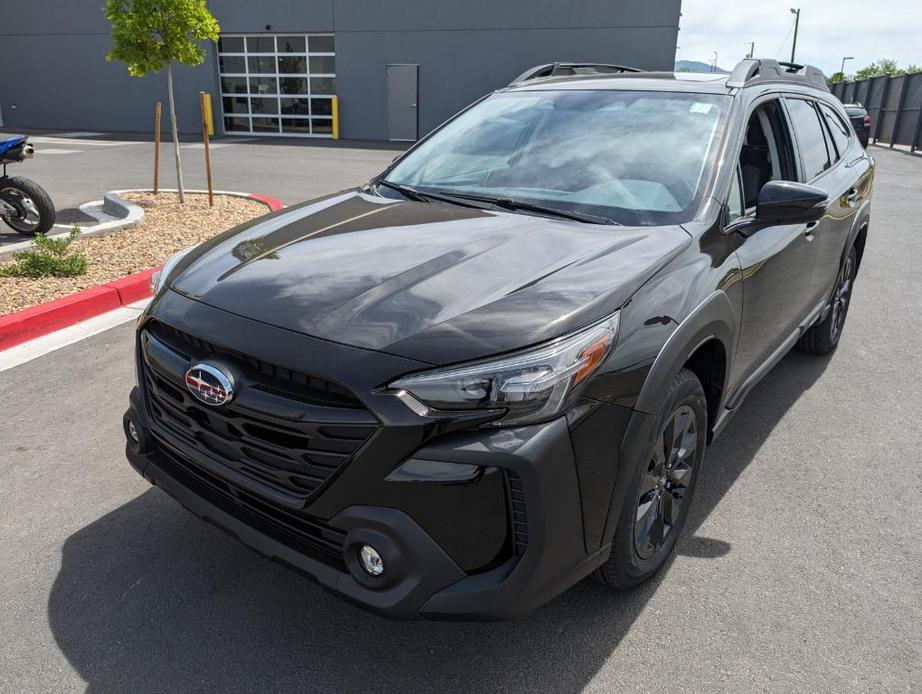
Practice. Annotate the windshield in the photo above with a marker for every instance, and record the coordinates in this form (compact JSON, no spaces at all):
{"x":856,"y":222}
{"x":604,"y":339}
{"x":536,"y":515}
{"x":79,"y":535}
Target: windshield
{"x":634,"y":157}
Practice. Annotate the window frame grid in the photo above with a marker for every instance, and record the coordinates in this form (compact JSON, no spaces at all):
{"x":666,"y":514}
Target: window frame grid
{"x":278,"y":116}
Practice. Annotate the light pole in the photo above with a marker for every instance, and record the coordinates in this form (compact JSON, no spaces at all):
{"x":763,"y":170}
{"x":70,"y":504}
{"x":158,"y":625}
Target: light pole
{"x":796,"y":14}
{"x":842,"y":69}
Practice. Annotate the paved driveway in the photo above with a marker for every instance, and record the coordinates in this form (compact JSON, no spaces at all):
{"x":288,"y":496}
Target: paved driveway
{"x":801,"y":569}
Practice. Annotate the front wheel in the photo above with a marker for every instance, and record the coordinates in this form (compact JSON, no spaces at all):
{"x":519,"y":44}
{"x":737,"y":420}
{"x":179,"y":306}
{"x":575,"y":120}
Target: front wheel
{"x":34,"y":211}
{"x":660,"y":492}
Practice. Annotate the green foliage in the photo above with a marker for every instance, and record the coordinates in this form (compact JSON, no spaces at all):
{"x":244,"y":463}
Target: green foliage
{"x":148,"y":35}
{"x":884,"y":66}
{"x":50,"y":258}
{"x":836,"y":77}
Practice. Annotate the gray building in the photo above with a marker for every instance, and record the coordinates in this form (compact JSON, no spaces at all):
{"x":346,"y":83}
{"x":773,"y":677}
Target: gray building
{"x":397,"y":67}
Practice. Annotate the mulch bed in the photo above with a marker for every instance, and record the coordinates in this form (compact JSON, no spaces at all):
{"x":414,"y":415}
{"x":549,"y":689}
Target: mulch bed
{"x":167,"y":227}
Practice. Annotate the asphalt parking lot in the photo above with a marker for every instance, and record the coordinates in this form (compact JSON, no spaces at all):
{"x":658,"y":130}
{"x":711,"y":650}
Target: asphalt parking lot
{"x":78,"y":167}
{"x":800,"y":570}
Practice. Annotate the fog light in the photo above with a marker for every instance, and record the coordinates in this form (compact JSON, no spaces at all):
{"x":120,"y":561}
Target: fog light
{"x":133,"y":432}
{"x":371,"y":560}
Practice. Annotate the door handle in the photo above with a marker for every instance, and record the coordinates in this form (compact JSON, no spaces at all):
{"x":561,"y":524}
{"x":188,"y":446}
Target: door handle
{"x":412,"y":105}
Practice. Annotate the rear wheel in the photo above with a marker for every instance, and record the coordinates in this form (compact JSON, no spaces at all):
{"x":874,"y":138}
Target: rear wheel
{"x":823,"y":337}
{"x":34,"y":209}
{"x":657,"y":501}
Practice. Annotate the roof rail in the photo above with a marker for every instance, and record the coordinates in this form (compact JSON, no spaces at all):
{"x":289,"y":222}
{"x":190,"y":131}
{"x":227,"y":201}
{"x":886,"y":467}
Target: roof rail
{"x":755,"y":70}
{"x":572,"y":69}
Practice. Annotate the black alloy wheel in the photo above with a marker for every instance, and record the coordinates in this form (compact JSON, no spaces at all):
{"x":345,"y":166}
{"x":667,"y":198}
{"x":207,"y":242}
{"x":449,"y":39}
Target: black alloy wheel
{"x":667,"y":482}
{"x":656,"y":500}
{"x":842,"y":295}
{"x":823,"y":337}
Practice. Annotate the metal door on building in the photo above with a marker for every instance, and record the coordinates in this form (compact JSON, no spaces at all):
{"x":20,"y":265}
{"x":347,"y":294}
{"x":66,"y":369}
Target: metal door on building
{"x":402,"y":102}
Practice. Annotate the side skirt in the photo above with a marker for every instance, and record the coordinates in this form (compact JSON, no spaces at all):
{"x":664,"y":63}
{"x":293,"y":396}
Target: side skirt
{"x":736,"y":399}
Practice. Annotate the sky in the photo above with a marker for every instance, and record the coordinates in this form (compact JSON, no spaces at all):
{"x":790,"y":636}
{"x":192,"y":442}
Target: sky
{"x":829,"y":30}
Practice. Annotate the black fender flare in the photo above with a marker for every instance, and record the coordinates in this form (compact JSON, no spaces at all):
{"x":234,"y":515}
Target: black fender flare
{"x":862,"y":219}
{"x":712,"y":318}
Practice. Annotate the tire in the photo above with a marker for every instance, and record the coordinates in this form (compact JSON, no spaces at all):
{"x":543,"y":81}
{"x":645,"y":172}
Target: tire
{"x":636,"y":555}
{"x":36,"y":209}
{"x":823,"y":338}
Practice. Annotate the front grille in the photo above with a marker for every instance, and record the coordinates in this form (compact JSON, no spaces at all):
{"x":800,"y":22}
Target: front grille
{"x":271,"y":378}
{"x":288,"y":431}
{"x":518,"y":516}
{"x":306,"y":534}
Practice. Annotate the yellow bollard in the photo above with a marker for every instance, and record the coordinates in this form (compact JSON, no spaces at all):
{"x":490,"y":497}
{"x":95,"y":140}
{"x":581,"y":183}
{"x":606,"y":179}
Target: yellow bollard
{"x":209,"y":119}
{"x":335,"y":117}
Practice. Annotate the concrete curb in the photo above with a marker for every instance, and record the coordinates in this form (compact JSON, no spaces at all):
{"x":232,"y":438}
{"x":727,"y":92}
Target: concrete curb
{"x":36,"y":321}
{"x":115,"y":213}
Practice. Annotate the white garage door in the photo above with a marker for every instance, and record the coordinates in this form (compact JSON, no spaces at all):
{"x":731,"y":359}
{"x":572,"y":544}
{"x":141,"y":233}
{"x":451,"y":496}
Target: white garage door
{"x":277,"y":84}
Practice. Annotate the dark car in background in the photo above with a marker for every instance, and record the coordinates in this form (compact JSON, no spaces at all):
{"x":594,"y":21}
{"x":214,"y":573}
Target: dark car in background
{"x":494,"y":370}
{"x":861,"y":122}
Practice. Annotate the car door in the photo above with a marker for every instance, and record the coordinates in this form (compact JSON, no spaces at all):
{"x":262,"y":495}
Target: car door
{"x":847,"y":187}
{"x":777,"y":261}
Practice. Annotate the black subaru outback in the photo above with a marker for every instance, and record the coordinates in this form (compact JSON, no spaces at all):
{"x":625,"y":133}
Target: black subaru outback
{"x":493,"y":370}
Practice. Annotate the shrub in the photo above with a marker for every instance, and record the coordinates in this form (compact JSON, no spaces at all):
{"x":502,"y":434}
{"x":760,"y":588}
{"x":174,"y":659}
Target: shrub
{"x":50,"y":258}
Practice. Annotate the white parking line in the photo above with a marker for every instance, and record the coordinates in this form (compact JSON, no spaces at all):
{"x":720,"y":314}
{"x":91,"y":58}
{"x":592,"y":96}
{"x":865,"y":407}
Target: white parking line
{"x":73,"y":142}
{"x":79,"y":133}
{"x":40,"y":346}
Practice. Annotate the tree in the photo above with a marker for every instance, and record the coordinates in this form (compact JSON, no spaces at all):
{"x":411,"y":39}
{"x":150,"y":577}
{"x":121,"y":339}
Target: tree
{"x":884,"y":66}
{"x":836,"y":77}
{"x":149,"y":35}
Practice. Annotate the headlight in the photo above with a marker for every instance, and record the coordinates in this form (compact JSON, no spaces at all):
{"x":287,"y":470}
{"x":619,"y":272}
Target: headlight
{"x":160,"y":276}
{"x":531,"y":385}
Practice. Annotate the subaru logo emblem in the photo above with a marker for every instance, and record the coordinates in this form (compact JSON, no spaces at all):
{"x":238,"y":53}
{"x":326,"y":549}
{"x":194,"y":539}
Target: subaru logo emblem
{"x":210,"y":384}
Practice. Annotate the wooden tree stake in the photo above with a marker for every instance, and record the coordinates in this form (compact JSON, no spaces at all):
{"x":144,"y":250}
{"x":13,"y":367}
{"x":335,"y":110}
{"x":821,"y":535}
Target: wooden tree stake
{"x":203,"y":97}
{"x":157,"y":148}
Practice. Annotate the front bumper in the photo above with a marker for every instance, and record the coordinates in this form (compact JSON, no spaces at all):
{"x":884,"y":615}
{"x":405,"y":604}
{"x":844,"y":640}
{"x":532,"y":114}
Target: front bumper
{"x":534,"y":520}
{"x":422,"y":580}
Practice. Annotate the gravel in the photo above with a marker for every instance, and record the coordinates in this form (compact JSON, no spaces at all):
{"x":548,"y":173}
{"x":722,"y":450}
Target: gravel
{"x":167,"y":227}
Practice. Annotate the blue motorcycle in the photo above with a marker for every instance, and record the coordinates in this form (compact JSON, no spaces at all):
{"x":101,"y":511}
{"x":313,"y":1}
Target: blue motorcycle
{"x":24,"y":204}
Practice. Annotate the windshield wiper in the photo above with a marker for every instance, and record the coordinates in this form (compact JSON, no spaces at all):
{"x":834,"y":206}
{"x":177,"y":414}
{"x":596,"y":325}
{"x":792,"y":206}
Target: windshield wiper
{"x":510,"y":204}
{"x":420,"y":196}
{"x":406,"y":191}
{"x":515,"y":205}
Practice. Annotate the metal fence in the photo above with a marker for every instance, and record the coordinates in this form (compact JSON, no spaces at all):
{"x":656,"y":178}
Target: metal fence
{"x":894,"y":104}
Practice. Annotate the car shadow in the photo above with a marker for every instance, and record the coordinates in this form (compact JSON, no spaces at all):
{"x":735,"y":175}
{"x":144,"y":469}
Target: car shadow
{"x":150,"y":598}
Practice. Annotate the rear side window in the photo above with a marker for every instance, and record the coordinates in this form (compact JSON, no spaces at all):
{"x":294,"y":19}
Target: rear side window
{"x":810,"y":138}
{"x":838,"y":129}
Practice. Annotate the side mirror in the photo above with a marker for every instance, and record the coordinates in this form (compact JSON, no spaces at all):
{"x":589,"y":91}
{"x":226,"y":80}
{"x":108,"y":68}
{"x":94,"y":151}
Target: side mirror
{"x":786,"y":202}
{"x":782,"y":202}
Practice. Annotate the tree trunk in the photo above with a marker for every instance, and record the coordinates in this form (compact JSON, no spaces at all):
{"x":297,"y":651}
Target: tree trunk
{"x":169,"y":88}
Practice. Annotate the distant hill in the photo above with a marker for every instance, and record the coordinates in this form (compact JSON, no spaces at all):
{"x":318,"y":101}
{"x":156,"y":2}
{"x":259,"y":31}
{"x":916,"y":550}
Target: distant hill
{"x":696,"y":66}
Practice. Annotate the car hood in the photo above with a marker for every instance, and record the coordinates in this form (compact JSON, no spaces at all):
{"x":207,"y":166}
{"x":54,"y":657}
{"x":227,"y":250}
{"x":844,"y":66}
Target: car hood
{"x":429,"y":281}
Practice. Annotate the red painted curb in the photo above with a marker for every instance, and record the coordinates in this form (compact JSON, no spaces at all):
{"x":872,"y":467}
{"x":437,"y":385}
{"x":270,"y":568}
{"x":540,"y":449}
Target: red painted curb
{"x":33,"y":322}
{"x":45,"y":318}
{"x":274,"y":204}
{"x":134,"y":287}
